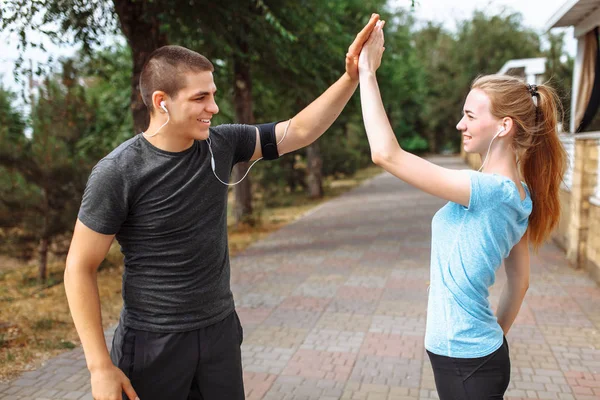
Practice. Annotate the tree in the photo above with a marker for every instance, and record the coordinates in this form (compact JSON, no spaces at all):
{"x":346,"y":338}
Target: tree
{"x":48,"y":172}
{"x":106,"y":75}
{"x":244,"y":111}
{"x":145,"y":25}
{"x":405,"y":83}
{"x":14,"y":191}
{"x":480,"y":46}
{"x":149,"y":25}
{"x":434,"y":46}
{"x":296,"y":71}
{"x":559,"y":73}
{"x":87,"y":23}
{"x":283,"y":61}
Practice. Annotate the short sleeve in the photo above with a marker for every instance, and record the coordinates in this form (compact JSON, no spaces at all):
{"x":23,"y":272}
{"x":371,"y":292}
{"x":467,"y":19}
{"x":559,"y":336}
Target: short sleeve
{"x":104,"y":205}
{"x":241,"y":138}
{"x":487,"y":190}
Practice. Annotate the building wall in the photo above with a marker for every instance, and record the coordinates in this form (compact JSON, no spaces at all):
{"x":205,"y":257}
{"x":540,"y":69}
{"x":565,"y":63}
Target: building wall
{"x":593,"y":245}
{"x":560,"y":234}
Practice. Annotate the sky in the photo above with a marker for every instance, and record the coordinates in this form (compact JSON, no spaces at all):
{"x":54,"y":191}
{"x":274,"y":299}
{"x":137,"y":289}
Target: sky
{"x":536,"y":14}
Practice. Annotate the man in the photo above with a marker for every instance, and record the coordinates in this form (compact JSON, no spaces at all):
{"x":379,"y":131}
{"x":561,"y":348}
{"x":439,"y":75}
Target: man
{"x":162,"y":195}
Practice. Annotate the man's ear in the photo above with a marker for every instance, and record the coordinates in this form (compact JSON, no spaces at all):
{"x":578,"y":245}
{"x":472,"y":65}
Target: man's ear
{"x":157,"y":98}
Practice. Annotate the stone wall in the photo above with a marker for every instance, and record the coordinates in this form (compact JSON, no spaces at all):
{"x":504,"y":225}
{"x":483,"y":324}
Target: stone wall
{"x":593,"y":244}
{"x":560,"y":236}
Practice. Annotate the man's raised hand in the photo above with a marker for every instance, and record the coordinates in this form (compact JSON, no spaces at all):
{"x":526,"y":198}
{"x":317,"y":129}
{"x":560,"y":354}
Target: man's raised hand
{"x":356,"y":47}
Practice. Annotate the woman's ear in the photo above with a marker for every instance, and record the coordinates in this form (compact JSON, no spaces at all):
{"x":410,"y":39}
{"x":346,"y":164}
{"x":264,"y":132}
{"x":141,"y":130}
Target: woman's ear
{"x":507,"y":125}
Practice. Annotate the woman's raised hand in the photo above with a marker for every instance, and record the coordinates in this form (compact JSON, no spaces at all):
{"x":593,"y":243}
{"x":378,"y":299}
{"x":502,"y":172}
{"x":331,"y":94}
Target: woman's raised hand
{"x":372,"y":51}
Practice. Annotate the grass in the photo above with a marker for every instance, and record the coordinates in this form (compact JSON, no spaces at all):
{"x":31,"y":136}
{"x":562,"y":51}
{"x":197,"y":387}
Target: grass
{"x":35,"y":323}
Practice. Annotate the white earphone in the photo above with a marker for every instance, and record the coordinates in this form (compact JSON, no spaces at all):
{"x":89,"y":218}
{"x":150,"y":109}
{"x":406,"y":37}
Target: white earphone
{"x":162,"y":105}
{"x":489,"y":147}
{"x":212,"y":158}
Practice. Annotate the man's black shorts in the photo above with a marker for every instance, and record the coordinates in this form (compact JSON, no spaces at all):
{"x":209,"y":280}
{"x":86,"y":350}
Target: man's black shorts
{"x":203,"y":364}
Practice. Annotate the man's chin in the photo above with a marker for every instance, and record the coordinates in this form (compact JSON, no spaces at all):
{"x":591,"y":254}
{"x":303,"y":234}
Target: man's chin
{"x":204,"y":135}
{"x":201,"y":134}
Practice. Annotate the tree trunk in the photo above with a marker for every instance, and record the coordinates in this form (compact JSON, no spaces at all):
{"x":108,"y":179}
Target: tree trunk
{"x":433,"y":136}
{"x":293,"y":177}
{"x":44,"y":240}
{"x":141,"y":26}
{"x":432,"y":142}
{"x":314,"y":165}
{"x":245,"y":115}
{"x":43,"y":260}
{"x":314,"y":176}
{"x":440,"y":139}
{"x":347,"y":133}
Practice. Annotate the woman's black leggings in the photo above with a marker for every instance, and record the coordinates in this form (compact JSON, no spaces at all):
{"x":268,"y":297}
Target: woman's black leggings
{"x":483,"y":378}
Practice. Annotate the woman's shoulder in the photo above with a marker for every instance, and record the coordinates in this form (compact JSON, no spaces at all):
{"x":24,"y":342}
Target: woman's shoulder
{"x":494,"y":189}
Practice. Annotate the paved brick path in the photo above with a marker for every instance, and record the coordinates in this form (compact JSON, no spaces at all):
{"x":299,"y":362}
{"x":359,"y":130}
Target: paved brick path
{"x":333,"y":307}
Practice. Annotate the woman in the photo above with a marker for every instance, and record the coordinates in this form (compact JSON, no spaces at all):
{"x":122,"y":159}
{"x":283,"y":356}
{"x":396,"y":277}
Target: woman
{"x":491,"y":216}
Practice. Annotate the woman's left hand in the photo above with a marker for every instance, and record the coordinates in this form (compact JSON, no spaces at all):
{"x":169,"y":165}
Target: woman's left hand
{"x":370,"y":56}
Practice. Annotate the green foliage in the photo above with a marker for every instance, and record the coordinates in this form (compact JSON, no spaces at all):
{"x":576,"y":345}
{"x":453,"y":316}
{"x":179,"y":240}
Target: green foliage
{"x":66,"y":344}
{"x":403,"y":79}
{"x":107,"y":79}
{"x":17,"y":196}
{"x":559,"y":73}
{"x":12,"y":123}
{"x":485,"y":42}
{"x":415,"y":144}
{"x":80,"y":22}
{"x":451,"y":62}
{"x":46,"y":175}
{"x":78,"y":116}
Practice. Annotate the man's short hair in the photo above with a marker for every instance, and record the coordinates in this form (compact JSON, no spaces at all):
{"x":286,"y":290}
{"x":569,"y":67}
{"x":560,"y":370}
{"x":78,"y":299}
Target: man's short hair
{"x":165,"y":68}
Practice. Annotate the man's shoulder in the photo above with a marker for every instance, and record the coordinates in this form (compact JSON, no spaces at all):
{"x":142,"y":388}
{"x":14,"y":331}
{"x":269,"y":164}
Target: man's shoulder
{"x":125,"y":150}
{"x":232,"y":129}
{"x":120,"y":159}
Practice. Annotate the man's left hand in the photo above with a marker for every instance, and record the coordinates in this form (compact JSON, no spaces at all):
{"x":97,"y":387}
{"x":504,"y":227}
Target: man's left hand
{"x":356,"y":47}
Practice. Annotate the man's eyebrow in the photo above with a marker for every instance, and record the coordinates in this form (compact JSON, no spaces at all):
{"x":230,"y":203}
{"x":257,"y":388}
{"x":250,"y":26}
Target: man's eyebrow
{"x":202,"y":93}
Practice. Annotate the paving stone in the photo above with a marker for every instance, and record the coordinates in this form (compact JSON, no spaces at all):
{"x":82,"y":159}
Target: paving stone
{"x":298,"y":387}
{"x":387,"y":371}
{"x":393,"y":345}
{"x":265,"y":359}
{"x":409,"y":326}
{"x":293,"y":318}
{"x":277,"y":336}
{"x":352,"y":306}
{"x":328,"y":365}
{"x":333,"y":340}
{"x":303,"y":303}
{"x":344,"y":322}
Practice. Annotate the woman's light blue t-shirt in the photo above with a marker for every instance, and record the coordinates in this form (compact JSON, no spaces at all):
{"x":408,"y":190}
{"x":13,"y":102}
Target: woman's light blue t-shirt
{"x":467,"y":247}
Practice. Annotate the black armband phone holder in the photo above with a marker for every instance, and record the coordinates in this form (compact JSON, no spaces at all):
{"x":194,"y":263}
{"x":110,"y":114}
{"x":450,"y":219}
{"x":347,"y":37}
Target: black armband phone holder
{"x":268,"y":140}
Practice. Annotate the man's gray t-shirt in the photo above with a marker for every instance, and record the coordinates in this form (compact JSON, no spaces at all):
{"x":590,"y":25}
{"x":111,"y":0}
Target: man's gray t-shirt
{"x":169,"y":214}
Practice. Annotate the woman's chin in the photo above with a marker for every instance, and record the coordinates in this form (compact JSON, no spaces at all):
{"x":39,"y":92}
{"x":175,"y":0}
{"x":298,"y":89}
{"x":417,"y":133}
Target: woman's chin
{"x":468,"y":146}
